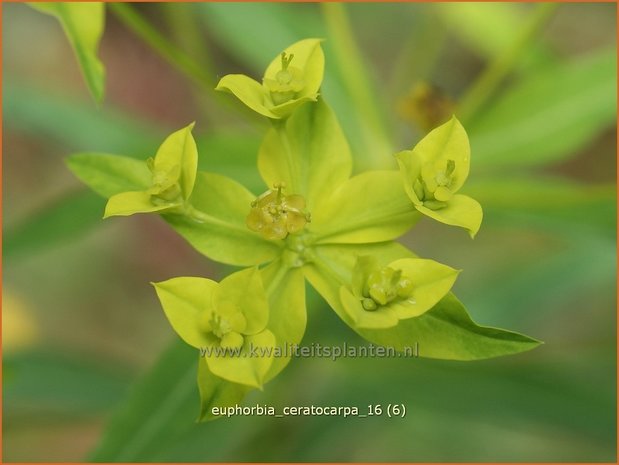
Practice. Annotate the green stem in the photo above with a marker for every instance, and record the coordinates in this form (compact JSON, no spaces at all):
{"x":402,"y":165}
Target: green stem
{"x":495,"y":72}
{"x":355,"y":77}
{"x":181,"y":19}
{"x":176,"y":57}
{"x":415,"y":63}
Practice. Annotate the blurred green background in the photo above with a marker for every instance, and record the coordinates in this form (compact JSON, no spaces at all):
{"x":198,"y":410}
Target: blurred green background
{"x":92,"y":370}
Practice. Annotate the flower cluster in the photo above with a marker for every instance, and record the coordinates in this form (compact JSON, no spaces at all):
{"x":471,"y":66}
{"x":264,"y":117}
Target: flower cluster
{"x":346,"y":249}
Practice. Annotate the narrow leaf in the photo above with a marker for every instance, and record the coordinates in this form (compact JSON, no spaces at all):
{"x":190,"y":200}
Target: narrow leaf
{"x":83,"y":24}
{"x":547,"y":116}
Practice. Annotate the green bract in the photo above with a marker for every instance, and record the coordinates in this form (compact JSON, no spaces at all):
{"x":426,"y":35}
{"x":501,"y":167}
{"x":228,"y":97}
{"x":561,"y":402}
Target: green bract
{"x":173,"y":176}
{"x":314,"y":221}
{"x":435,"y":170}
{"x":292,"y":78}
{"x":223,"y":320}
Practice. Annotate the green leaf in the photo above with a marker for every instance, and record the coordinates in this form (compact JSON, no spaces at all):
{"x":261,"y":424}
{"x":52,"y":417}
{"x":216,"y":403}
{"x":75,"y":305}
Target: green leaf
{"x":288,"y":317}
{"x":547,"y":203}
{"x":62,"y":117}
{"x":63,"y":220}
{"x":67,"y":391}
{"x":108,"y":175}
{"x":217,"y":392}
{"x":548,"y":116}
{"x":183,"y":301}
{"x":83,"y":24}
{"x":310,"y":154}
{"x":370,"y":207}
{"x":491,"y":28}
{"x":461,"y":210}
{"x":222,"y":235}
{"x":447,"y":332}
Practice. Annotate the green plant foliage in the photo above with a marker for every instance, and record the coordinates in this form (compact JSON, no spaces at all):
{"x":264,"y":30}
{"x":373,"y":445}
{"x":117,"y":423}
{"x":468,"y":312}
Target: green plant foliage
{"x":548,"y":115}
{"x":83,"y":23}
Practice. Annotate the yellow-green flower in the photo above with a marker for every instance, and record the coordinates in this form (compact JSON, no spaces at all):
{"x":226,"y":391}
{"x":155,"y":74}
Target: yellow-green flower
{"x":293,"y":77}
{"x":173,"y":172}
{"x":275,"y":215}
{"x":227,"y":321}
{"x":381,"y":296}
{"x":435,"y":170}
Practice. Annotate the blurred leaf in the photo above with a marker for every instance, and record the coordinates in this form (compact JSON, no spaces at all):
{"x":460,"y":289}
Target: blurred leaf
{"x":547,"y":116}
{"x":490,"y":28}
{"x":256,"y":47}
{"x":64,"y":220}
{"x":548,"y":203}
{"x":519,"y":292}
{"x":166,"y":393}
{"x":38,"y":112}
{"x":217,"y":392}
{"x":44,"y":383}
{"x":83,"y":24}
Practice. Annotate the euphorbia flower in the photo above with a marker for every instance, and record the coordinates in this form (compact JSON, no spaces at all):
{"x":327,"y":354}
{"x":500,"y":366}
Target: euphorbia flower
{"x":382,"y":296}
{"x":292,"y":78}
{"x":435,"y":170}
{"x":223,"y":320}
{"x":275,"y":215}
{"x":347,"y":252}
{"x":173,"y":171}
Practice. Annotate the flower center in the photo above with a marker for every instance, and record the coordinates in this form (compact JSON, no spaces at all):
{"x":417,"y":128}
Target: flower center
{"x":226,"y":323}
{"x":288,"y":81}
{"x":434,"y":185}
{"x":165,"y":186}
{"x":275,"y":215}
{"x":385,"y":286}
